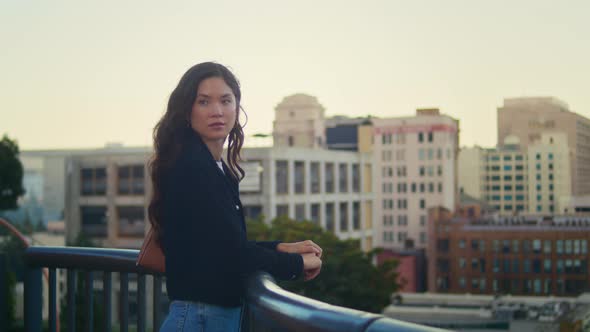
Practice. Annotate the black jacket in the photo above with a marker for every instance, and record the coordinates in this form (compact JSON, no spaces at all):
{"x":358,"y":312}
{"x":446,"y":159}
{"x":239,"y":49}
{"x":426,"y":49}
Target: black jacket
{"x":204,"y":239}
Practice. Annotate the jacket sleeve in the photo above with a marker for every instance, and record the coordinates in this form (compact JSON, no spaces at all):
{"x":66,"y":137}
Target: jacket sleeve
{"x":206,"y":236}
{"x":272,"y":245}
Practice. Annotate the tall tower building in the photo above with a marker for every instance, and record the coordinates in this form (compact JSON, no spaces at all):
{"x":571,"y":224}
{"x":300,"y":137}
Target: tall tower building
{"x":299,"y":122}
{"x":415,"y":160}
{"x":528,"y":118}
{"x":515,"y":180}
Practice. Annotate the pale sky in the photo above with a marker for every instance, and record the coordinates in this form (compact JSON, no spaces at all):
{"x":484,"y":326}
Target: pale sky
{"x":77,"y":74}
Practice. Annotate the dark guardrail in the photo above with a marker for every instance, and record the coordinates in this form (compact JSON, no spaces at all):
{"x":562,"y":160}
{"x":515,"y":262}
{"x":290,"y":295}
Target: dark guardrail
{"x":268,"y":307}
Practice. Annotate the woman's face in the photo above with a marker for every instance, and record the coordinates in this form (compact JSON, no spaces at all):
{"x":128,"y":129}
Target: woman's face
{"x":214,"y":112}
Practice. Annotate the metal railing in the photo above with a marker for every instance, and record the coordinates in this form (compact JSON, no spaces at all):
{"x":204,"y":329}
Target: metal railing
{"x":268,"y":307}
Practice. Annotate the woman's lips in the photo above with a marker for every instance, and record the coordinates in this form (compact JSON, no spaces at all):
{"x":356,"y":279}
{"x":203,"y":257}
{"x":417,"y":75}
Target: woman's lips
{"x":217,"y":125}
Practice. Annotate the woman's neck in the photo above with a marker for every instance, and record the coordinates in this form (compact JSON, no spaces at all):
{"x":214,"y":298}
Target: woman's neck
{"x":216,"y":148}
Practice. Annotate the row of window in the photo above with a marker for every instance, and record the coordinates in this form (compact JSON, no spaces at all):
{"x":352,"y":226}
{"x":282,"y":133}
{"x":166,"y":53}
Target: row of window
{"x":387,"y":187}
{"x":389,"y":237}
{"x":130,"y":221}
{"x":517,"y":286}
{"x":130,"y":180}
{"x":567,"y":266}
{"x":536,"y":246}
{"x":315,"y":215}
{"x":402,"y":204}
{"x":282,"y":177}
{"x":402,"y":220}
{"x":508,"y":157}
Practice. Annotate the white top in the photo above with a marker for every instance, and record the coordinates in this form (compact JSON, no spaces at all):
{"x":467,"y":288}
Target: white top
{"x":220,"y":165}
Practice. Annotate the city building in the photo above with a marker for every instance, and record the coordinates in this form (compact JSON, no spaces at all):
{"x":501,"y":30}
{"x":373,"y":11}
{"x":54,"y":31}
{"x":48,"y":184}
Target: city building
{"x":516,"y":180}
{"x":299,"y":122}
{"x":107,"y":193}
{"x":415,"y":160}
{"x":342,"y":132}
{"x":473,"y":251}
{"x":528,"y":118}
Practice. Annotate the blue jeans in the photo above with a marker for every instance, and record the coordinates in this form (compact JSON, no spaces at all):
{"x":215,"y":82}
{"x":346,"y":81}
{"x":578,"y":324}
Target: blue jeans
{"x":202,"y":317}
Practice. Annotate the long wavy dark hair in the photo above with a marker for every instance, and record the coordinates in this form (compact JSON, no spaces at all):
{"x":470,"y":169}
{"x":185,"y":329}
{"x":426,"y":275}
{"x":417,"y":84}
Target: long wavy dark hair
{"x":172,"y":131}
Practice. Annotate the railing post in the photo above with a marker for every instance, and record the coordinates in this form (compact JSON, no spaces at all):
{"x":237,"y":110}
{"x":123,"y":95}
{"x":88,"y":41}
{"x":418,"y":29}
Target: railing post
{"x":33,"y":299}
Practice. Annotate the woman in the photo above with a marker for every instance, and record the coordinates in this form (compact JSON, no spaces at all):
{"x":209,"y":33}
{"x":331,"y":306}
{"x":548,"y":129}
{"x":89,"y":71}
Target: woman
{"x":196,"y":209}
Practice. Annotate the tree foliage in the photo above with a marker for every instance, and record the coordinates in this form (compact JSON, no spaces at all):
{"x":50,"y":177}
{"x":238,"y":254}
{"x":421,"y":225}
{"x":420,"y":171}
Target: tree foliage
{"x":348,"y":278}
{"x":11,"y":174}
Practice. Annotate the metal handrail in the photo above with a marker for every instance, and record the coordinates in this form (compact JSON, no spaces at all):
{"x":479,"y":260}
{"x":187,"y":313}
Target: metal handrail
{"x":266,"y":301}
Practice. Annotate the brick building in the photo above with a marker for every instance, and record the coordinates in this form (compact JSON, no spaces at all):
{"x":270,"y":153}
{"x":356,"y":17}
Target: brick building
{"x":473,"y":252}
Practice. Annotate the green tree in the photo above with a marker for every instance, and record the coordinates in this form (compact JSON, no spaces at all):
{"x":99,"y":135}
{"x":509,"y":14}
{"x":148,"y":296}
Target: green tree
{"x":11,"y":174}
{"x":12,"y":249}
{"x":348,"y":278}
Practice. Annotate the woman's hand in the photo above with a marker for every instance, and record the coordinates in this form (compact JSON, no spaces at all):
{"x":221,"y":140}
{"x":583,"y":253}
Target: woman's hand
{"x":312,"y":265}
{"x":302,"y":247}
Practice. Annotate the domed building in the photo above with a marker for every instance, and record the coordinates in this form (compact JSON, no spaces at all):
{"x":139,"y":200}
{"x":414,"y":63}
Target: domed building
{"x":299,"y":121}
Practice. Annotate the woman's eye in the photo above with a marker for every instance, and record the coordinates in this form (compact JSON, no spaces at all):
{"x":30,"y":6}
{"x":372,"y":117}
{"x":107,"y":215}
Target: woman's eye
{"x":203,"y":102}
{"x":225,"y":102}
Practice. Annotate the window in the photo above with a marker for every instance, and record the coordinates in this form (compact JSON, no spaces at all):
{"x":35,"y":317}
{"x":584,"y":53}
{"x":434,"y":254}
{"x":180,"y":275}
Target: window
{"x":515,"y":246}
{"x":299,"y":212}
{"x":282,"y":176}
{"x":422,"y":204}
{"x":299,"y":177}
{"x":356,"y":215}
{"x":131,"y":221}
{"x":130,"y":180}
{"x":94,"y":220}
{"x":440,"y":187}
{"x":252,"y":211}
{"x":329,"y":172}
{"x":547,"y":266}
{"x":547,"y":246}
{"x":343,"y":217}
{"x":462,"y":243}
{"x":439,"y":170}
{"x":559,"y":247}
{"x":282,"y":210}
{"x":420,"y":137}
{"x":356,"y":178}
{"x":506,"y":246}
{"x":93,"y":181}
{"x":430,"y":136}
{"x":537,"y":246}
{"x":343,"y":177}
{"x":422,"y":220}
{"x":315,"y":177}
{"x":330,"y":216}
{"x":526,"y":266}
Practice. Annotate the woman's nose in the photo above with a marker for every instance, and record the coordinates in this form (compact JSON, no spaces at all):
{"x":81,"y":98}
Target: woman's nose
{"x":217,"y":110}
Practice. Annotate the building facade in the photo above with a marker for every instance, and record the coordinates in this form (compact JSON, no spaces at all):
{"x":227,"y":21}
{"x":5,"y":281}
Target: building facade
{"x":517,"y":180}
{"x":415,"y":161}
{"x":529,"y":118}
{"x":107,"y":193}
{"x":470,"y":252}
{"x":330,"y":188}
